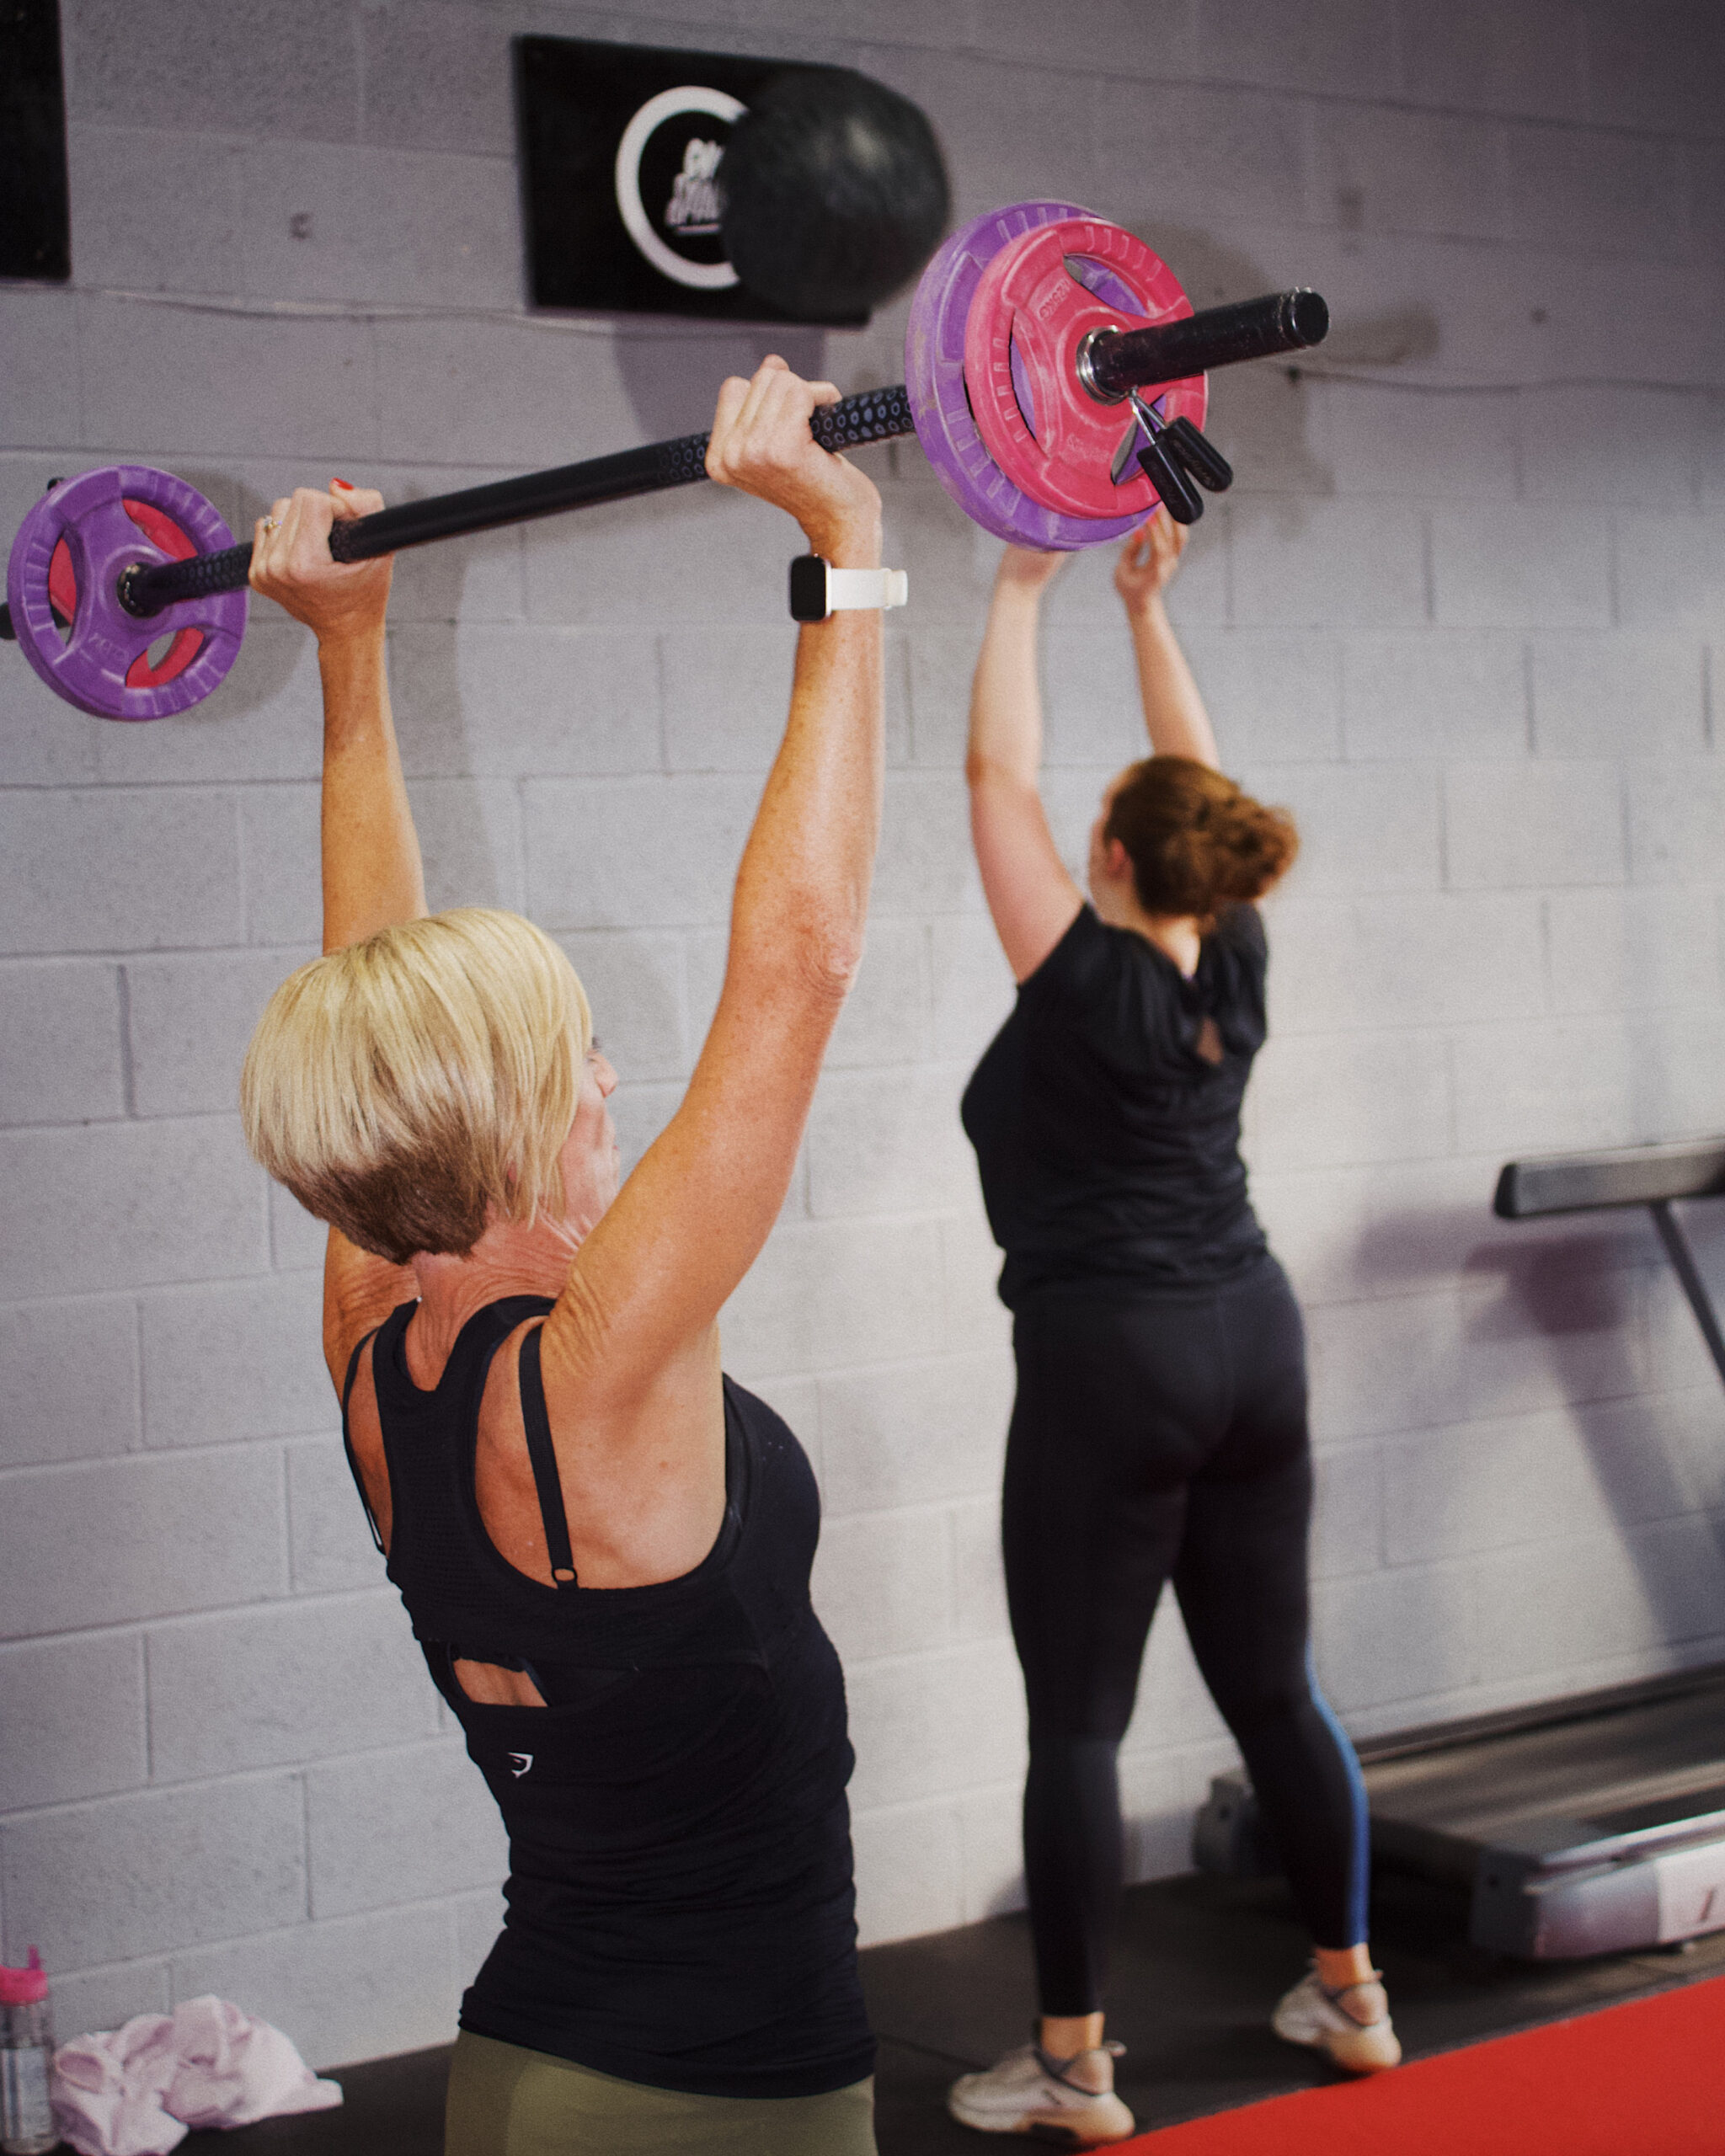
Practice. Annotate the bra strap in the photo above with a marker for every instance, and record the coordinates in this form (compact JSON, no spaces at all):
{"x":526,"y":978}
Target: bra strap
{"x":543,"y":1455}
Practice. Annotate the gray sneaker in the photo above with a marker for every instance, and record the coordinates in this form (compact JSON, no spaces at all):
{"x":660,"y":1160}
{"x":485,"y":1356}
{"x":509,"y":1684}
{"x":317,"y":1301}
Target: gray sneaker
{"x":1352,"y":2026}
{"x":1071,"y":2101}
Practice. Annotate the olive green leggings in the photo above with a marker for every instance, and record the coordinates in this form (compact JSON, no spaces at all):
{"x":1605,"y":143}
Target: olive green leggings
{"x":506,"y":2100}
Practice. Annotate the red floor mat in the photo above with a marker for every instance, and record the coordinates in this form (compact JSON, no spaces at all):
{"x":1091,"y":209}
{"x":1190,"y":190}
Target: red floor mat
{"x":1645,"y":2079}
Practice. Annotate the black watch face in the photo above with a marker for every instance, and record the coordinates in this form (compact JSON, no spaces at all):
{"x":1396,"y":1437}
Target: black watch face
{"x":808,"y":588}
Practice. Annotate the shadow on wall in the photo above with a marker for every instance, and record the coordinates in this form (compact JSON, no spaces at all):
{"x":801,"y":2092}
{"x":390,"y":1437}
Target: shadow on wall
{"x":1577,"y":1293}
{"x":266,"y":664}
{"x":1259,"y":414}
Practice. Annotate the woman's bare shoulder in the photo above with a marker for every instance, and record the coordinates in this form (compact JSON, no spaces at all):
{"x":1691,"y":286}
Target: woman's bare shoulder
{"x":360,"y":1291}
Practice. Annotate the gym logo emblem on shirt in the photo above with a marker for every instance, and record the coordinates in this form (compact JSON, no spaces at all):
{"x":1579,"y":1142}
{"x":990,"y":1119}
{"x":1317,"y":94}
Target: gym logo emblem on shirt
{"x":518,"y":1763}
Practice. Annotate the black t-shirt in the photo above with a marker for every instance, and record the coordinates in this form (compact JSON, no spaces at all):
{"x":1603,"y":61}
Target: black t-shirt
{"x":1108,"y":1141}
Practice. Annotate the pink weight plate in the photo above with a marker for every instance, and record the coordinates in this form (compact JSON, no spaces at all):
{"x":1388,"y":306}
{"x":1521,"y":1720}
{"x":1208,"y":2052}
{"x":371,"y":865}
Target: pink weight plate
{"x":940,"y":402}
{"x":1035,"y":304}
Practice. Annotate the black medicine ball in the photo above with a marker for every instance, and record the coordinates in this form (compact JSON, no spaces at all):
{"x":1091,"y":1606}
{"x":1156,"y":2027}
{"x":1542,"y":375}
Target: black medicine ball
{"x":835,"y":193}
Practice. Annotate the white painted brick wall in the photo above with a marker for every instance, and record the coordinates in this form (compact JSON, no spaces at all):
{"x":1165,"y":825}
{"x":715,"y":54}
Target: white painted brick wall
{"x":1533,"y":825}
{"x":1442,"y":693}
{"x":238,"y":1360}
{"x":330,"y":1545}
{"x":330,"y":1979}
{"x":60,"y":1056}
{"x":84,"y":872}
{"x":110,"y":1541}
{"x":1464,"y":613}
{"x":144,"y":1202}
{"x":188,"y":1020}
{"x":274,"y":1687}
{"x":383,"y":1827}
{"x":129,"y":1875}
{"x":73,"y":1714}
{"x":68,"y":1380}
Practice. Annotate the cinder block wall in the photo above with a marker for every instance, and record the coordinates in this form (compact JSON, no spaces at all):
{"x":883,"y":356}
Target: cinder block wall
{"x":1459,"y":613}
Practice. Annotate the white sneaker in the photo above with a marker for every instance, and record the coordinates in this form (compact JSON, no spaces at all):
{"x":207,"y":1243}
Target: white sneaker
{"x":1352,"y":2024}
{"x":1068,"y":2101}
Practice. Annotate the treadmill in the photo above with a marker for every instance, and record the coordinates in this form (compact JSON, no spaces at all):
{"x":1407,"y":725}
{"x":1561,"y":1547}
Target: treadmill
{"x":1592,"y":1824}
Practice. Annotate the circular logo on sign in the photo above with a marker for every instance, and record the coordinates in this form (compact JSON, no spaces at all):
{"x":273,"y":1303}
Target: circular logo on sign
{"x":667,"y":183}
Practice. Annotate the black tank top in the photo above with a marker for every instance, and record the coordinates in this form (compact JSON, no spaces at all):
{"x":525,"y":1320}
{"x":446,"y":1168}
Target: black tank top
{"x":1107,"y":1140}
{"x":680,"y":1909}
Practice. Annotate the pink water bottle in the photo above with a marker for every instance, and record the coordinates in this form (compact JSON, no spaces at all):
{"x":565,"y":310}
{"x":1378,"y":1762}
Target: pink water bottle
{"x":26,"y":2054}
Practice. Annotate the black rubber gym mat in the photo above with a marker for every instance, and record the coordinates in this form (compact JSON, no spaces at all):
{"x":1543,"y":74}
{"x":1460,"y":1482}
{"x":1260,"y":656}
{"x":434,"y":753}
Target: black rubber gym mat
{"x":1201,"y":1962}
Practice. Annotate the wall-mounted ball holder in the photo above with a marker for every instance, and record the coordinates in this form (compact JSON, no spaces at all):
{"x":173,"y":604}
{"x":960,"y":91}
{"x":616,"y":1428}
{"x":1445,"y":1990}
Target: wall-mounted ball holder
{"x":1033,"y":334}
{"x":732,"y":188}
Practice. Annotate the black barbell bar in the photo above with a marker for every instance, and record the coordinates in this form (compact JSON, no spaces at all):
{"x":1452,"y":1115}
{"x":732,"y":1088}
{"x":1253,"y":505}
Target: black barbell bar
{"x":1114,"y":364}
{"x":875,"y":415}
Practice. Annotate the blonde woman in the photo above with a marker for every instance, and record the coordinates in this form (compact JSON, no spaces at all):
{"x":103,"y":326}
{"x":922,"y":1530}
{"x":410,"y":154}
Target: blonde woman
{"x":1159,"y":1431}
{"x":603,"y":1543}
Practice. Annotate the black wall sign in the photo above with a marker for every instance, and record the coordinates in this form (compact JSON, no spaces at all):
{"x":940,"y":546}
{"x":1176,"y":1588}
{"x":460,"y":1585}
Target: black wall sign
{"x":35,"y":217}
{"x":621,"y":148}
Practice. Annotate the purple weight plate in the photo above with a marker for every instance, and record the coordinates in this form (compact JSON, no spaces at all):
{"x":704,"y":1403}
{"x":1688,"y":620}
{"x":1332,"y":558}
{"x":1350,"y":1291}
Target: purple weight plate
{"x":89,"y":668}
{"x":934,"y":374}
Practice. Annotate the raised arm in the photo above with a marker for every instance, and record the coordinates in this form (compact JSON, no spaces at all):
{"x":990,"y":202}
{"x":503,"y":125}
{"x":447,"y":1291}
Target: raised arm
{"x":631,"y":1344}
{"x":1032,"y":897}
{"x":372,"y":874}
{"x":1174,"y":710}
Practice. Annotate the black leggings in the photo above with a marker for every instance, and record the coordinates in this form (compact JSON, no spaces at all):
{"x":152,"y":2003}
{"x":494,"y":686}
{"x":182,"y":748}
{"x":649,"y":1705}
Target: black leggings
{"x":1158,"y":1438}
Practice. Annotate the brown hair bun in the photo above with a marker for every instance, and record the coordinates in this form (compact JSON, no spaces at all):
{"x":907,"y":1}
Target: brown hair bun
{"x":1197,"y":843}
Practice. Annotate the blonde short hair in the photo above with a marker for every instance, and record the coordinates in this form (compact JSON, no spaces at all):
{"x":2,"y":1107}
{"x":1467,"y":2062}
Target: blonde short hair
{"x":404,"y":1087}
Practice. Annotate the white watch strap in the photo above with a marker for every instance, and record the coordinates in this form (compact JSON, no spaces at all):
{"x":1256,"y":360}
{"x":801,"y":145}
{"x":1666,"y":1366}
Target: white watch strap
{"x":847,"y":590}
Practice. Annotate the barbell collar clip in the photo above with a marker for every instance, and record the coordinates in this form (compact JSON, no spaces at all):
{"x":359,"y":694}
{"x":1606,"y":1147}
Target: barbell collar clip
{"x":1191,"y":449}
{"x":1178,"y":496}
{"x":1189,"y":446}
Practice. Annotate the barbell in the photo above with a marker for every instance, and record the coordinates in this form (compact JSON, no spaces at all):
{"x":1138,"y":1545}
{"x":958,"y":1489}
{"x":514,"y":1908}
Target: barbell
{"x":1034,"y":332}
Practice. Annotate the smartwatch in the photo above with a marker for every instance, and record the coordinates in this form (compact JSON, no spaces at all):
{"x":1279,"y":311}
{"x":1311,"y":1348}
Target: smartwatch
{"x":819,"y":590}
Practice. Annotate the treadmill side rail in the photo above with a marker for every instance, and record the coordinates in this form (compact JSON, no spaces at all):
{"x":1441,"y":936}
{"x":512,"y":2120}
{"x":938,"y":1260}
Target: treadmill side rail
{"x":1562,"y":1889}
{"x":1691,"y":1884}
{"x":1521,"y":1908}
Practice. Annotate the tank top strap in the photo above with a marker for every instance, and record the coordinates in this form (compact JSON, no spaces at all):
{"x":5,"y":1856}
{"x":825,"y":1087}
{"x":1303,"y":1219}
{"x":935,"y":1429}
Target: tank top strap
{"x":428,"y":1430}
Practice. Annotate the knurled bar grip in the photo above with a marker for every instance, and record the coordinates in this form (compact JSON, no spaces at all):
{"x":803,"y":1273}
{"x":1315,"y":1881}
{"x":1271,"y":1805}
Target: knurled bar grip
{"x":876,"y":415}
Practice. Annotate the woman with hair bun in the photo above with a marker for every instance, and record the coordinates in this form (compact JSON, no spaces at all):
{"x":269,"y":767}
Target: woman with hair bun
{"x":1160,"y":1427}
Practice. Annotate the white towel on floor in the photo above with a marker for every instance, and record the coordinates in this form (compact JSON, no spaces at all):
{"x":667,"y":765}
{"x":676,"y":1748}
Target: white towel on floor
{"x":137,"y":2091}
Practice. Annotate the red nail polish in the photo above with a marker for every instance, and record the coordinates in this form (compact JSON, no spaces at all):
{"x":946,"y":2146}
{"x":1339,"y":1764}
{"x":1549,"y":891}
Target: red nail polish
{"x":346,"y":485}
